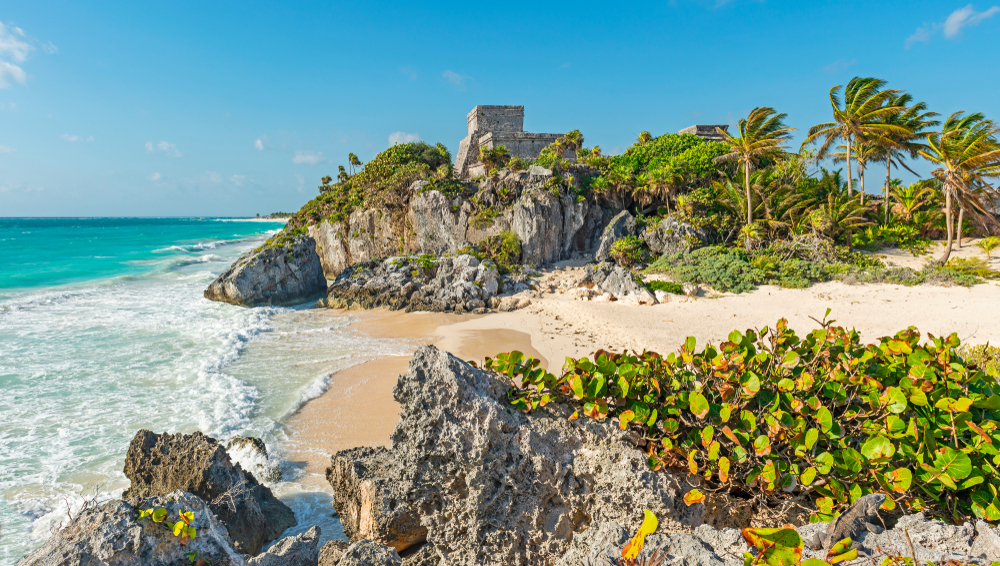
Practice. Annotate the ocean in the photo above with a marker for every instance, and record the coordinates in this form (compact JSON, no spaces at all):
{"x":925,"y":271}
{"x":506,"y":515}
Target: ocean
{"x":104,"y":331}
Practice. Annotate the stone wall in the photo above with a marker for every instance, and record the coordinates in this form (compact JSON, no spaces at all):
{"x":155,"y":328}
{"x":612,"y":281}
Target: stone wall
{"x":705,"y":131}
{"x":493,"y":126}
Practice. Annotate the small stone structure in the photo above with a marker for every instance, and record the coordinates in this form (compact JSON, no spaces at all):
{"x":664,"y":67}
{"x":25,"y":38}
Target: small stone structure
{"x":493,"y":126}
{"x":706,"y":132}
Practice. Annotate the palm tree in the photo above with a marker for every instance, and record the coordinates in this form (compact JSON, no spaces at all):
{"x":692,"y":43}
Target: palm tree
{"x":863,"y":152}
{"x":354,"y":161}
{"x":915,"y":119}
{"x":860,"y":119}
{"x":911,"y":199}
{"x":839,"y":214}
{"x":762,"y":136}
{"x":966,"y":152}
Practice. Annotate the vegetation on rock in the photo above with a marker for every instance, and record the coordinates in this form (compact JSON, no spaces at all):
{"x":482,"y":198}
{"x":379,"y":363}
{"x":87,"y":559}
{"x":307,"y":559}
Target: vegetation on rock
{"x":820,"y":419}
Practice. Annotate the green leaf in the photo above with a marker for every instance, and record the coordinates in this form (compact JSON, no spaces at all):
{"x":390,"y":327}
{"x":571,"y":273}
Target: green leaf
{"x":894,"y":399}
{"x":878,"y":447}
{"x":956,"y":464}
{"x":824,"y":419}
{"x":750,"y":384}
{"x":625,"y":418}
{"x":762,"y":445}
{"x":698,"y":405}
{"x":777,"y":547}
{"x":812,"y":435}
{"x":849,"y":459}
{"x":159,"y":515}
{"x":825,"y":461}
{"x":901,"y":479}
{"x":808,"y":476}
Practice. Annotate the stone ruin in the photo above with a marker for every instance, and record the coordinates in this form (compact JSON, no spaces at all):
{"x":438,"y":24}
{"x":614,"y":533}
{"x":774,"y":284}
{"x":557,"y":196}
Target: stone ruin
{"x":493,"y":126}
{"x":707,"y":132}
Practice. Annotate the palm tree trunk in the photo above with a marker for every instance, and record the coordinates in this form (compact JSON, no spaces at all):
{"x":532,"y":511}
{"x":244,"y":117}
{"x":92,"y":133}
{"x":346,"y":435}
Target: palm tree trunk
{"x":861,"y":177}
{"x":948,"y":224}
{"x":888,"y":166}
{"x":850,"y":184}
{"x":746,"y":177}
{"x":961,"y":219}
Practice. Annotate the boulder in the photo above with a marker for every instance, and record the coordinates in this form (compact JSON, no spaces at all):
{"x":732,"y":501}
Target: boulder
{"x":603,"y":543}
{"x":620,"y":226}
{"x":251,"y":453}
{"x":112,"y":534}
{"x":158,"y":464}
{"x":491,"y":484}
{"x":298,"y":550}
{"x":331,"y":247}
{"x":361,"y":478}
{"x":273,"y":274}
{"x":987,"y":541}
{"x":671,"y":236}
{"x":332,"y":552}
{"x":368,"y":553}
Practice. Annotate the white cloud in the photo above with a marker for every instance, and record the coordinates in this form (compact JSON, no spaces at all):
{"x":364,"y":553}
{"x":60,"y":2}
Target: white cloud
{"x":258,"y":144}
{"x":238,"y":180}
{"x":409,"y":72}
{"x":8,"y":106}
{"x":155,"y":177}
{"x":460,"y":81}
{"x":6,"y":149}
{"x":839,"y":66}
{"x":308,"y":157}
{"x":403,"y":137}
{"x":965,"y":17}
{"x":169,"y":149}
{"x":90,"y":139}
{"x":11,"y":73}
{"x":70,"y":138}
{"x":15,"y":47}
{"x":213,"y":177}
{"x":953,"y":24}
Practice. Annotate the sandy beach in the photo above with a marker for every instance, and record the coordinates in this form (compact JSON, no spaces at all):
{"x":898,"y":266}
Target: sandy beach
{"x":358,"y":408}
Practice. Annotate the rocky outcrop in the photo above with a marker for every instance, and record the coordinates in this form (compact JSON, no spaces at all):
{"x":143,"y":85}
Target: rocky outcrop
{"x":272,"y":275}
{"x":449,"y":284}
{"x":112,"y":534}
{"x":615,"y":282}
{"x":672,"y":237}
{"x":158,"y":464}
{"x":298,"y":550}
{"x":332,"y":552}
{"x":620,"y":226}
{"x":251,"y":453}
{"x":368,"y":553}
{"x":491,"y":484}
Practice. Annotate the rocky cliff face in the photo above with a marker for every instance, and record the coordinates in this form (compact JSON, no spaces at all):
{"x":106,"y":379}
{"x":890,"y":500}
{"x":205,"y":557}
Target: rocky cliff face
{"x":272,"y":276}
{"x":158,"y":464}
{"x":484,"y":483}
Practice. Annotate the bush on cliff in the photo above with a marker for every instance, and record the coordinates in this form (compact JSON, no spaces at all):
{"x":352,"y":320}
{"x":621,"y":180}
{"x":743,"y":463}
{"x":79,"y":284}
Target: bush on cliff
{"x":821,"y":419}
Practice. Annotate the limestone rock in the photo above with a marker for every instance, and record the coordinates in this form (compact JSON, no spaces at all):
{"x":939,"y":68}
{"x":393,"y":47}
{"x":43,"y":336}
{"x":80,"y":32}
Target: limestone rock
{"x":361,"y":482}
{"x":251,"y":453}
{"x":158,"y":464}
{"x":298,"y":550}
{"x":426,"y":555}
{"x":272,"y":276}
{"x":610,"y":278}
{"x":671,"y":236}
{"x":493,"y":485}
{"x":331,"y":247}
{"x":987,"y":541}
{"x":368,"y":553}
{"x":691,"y":290}
{"x":603,"y":543}
{"x":620,"y":226}
{"x":114,"y":535}
{"x":332,"y":552}
{"x":662,"y":296}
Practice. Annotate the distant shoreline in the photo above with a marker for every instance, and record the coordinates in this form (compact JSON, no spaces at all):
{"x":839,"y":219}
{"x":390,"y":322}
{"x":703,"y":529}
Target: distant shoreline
{"x":282,"y":220}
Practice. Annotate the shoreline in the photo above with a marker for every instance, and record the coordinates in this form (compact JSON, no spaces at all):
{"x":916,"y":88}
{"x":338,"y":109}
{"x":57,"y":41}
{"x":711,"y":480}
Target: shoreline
{"x":358,"y":409}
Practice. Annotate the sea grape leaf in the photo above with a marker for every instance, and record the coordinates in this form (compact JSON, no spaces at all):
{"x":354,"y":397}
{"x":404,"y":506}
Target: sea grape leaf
{"x":634,"y":546}
{"x":777,"y":547}
{"x":693,"y":496}
{"x":698,"y":405}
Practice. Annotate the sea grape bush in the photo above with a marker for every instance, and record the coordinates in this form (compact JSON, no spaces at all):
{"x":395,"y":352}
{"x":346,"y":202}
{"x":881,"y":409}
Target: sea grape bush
{"x":822,"y":417}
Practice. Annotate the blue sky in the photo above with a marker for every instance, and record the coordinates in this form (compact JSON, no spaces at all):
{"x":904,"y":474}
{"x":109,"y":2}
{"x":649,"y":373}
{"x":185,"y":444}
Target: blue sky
{"x":238,"y":108}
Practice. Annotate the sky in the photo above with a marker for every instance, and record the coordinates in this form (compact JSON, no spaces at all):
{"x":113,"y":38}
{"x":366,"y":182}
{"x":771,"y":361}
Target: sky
{"x":237,"y":108}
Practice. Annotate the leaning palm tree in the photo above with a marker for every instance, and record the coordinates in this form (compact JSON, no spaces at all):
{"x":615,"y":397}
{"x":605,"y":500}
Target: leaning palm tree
{"x":763,"y":135}
{"x":354,"y":161}
{"x":966,"y":153}
{"x":863,"y":152}
{"x":859,"y":118}
{"x":915,"y":119}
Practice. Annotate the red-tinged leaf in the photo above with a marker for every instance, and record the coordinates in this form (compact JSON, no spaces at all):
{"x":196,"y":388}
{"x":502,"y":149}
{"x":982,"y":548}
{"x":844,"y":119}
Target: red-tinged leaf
{"x":692,"y":464}
{"x":728,"y":433}
{"x":979,"y":431}
{"x":762,"y":446}
{"x":625,"y":418}
{"x":634,"y":546}
{"x":777,"y":547}
{"x":698,"y":405}
{"x":706,"y":435}
{"x":574,"y":416}
{"x":724,"y":469}
{"x":693,"y":496}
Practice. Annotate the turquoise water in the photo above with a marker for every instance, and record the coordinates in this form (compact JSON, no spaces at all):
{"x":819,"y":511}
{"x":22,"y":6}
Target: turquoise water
{"x":104,"y":331}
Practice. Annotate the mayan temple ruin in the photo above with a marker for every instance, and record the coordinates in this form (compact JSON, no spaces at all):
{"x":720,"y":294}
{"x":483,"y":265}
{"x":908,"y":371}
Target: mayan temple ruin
{"x":492,"y":126}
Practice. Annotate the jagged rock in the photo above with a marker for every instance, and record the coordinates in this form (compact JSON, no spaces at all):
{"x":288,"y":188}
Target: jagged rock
{"x":987,"y":541}
{"x":368,"y":553}
{"x":332,"y":552}
{"x":426,"y":555}
{"x":299,"y":550}
{"x":662,"y":296}
{"x":114,"y":535}
{"x":602,"y":544}
{"x":331,"y":247}
{"x":511,"y":303}
{"x":618,"y":281}
{"x":459,"y":284}
{"x":538,"y":173}
{"x":690,"y":289}
{"x":672,"y":237}
{"x":272,"y":275}
{"x":361,"y":482}
{"x":493,"y":485}
{"x":620,"y":226}
{"x":158,"y":464}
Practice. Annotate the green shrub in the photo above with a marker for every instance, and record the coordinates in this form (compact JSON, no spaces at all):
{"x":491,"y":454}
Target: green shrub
{"x":874,"y":238}
{"x":985,"y":356}
{"x":822,"y":418}
{"x":504,"y":250}
{"x":722,"y":269}
{"x":628,"y":251}
{"x":668,"y":286}
{"x":972,"y":266}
